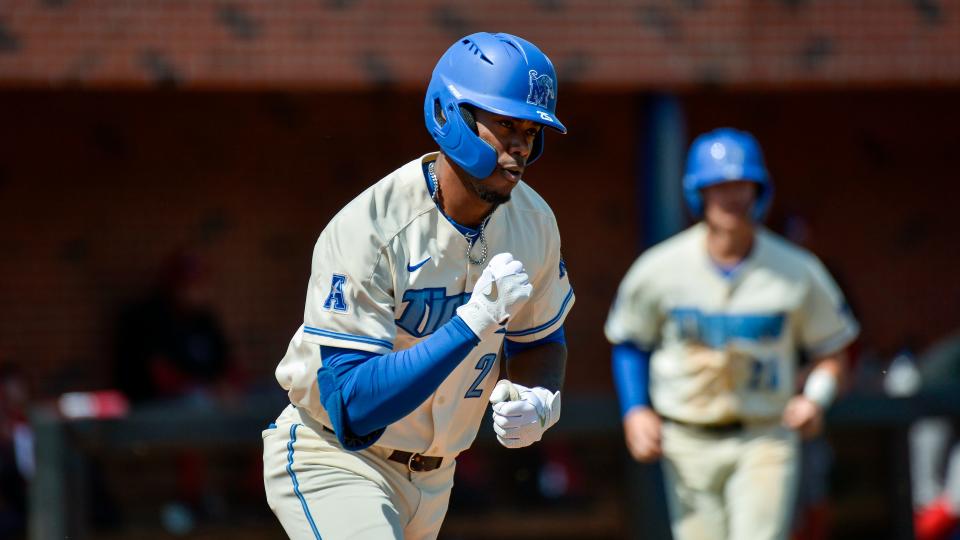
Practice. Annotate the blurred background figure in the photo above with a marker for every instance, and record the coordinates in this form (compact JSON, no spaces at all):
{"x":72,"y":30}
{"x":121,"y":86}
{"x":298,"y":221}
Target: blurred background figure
{"x":934,"y":441}
{"x":706,"y":328}
{"x":170,"y":345}
{"x":171,"y":350}
{"x":16,"y":450}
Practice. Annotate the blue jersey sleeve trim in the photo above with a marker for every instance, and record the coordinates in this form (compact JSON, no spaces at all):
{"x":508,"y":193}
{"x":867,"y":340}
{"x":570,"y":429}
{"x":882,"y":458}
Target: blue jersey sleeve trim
{"x":363,"y":392}
{"x":631,"y":375}
{"x":548,"y":324}
{"x":511,"y":348}
{"x":835,"y":342}
{"x":347,"y":337}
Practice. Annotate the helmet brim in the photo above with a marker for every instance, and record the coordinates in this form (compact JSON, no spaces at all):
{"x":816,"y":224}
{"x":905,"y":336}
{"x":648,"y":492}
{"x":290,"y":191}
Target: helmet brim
{"x":506,"y":106}
{"x":509,"y":108}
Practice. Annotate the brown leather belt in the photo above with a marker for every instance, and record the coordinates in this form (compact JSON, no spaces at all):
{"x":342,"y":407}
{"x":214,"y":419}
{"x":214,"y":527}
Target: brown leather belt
{"x":414,"y":461}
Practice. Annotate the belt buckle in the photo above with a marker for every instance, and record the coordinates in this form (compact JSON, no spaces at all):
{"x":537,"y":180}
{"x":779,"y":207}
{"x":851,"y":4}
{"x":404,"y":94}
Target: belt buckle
{"x":415,"y":459}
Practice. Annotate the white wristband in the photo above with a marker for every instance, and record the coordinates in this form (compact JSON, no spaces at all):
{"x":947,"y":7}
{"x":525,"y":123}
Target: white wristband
{"x":821,"y":388}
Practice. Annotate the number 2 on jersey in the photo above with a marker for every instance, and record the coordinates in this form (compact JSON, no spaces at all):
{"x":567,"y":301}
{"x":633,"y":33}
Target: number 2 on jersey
{"x":484,"y":364}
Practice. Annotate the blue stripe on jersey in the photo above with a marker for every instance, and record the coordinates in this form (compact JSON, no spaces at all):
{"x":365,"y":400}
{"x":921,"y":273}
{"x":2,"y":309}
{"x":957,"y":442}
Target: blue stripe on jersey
{"x":549,"y":323}
{"x":296,"y":484}
{"x":347,"y":337}
{"x":717,"y":329}
{"x":512,"y":348}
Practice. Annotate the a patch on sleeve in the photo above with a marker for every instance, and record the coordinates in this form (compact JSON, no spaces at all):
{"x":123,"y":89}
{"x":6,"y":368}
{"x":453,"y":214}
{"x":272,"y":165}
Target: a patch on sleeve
{"x":335,"y":300}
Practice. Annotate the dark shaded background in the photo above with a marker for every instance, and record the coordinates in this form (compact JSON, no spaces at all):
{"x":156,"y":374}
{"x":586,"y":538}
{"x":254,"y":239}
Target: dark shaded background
{"x":96,"y":188}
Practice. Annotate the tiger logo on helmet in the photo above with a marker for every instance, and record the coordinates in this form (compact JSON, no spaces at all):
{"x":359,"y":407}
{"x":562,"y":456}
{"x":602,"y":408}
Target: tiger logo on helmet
{"x":541,"y":89}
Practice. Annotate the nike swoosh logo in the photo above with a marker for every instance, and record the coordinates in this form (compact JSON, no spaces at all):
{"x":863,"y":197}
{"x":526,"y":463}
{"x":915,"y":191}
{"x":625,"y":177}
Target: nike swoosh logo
{"x":415,"y":267}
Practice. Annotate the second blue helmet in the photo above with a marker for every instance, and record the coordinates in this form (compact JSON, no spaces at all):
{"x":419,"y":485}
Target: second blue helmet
{"x":499,"y":73}
{"x":726,"y":155}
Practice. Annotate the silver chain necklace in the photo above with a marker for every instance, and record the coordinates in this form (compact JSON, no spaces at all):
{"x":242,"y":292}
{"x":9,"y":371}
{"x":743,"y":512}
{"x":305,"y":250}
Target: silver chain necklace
{"x":480,"y":236}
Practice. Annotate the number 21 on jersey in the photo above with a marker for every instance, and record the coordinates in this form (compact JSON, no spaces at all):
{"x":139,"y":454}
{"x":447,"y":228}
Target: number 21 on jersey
{"x":764,"y":374}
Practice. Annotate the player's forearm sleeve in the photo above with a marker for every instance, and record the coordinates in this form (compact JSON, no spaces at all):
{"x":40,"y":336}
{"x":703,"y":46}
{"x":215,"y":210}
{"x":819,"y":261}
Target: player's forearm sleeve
{"x":364,"y":392}
{"x":512,"y":348}
{"x":631,"y":375}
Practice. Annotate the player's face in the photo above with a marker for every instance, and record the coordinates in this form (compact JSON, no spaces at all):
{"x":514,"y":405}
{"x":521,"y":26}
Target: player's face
{"x":512,"y":139}
{"x":729,"y":205}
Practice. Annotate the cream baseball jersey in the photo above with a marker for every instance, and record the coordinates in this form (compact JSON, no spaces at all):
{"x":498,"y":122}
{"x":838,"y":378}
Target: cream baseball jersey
{"x":390,"y":268}
{"x":726,"y":346}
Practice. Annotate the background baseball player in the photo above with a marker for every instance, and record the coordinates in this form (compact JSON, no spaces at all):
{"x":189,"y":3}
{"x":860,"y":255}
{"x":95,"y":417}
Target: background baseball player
{"x":934,"y":440}
{"x":417,"y":286}
{"x":706,"y":328}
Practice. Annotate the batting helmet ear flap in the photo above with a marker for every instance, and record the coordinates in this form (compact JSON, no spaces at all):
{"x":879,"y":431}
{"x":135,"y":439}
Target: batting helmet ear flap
{"x":438,"y":115}
{"x":537,"y":148}
{"x":454,"y":130}
{"x":468,"y":117}
{"x":764,"y":199}
{"x":466,"y":112}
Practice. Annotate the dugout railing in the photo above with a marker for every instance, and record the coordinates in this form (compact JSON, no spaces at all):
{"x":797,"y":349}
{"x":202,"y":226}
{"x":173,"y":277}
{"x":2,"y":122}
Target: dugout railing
{"x":61,"y":503}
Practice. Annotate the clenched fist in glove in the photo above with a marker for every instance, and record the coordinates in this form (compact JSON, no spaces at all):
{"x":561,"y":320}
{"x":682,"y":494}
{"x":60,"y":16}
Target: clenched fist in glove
{"x":521,"y":414}
{"x":500,"y":292}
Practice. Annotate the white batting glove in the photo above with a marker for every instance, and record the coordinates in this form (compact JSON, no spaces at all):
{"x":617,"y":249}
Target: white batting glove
{"x":500,"y":292}
{"x":521,"y":414}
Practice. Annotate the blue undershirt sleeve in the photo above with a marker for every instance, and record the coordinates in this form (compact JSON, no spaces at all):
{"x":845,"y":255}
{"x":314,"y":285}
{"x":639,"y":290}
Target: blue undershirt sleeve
{"x":631,"y":375}
{"x":364,"y":392}
{"x":511,"y":348}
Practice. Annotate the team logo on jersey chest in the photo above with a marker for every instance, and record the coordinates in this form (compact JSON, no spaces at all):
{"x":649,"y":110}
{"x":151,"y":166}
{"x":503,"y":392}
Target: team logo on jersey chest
{"x":428,"y":309}
{"x":717,"y":329}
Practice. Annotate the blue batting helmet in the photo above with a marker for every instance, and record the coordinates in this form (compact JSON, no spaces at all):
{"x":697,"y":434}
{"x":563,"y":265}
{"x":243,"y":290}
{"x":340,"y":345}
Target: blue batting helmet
{"x":499,"y":73}
{"x":726,"y":155}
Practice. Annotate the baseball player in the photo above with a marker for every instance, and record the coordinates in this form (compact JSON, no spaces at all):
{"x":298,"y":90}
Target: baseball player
{"x":934,"y":440}
{"x":706,"y":329}
{"x":419,"y":287}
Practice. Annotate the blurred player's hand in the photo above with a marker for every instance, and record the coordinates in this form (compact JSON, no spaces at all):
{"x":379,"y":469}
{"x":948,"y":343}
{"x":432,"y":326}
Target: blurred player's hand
{"x":521,"y":414}
{"x":500,"y":292}
{"x":803,"y":415}
{"x":641,"y":427}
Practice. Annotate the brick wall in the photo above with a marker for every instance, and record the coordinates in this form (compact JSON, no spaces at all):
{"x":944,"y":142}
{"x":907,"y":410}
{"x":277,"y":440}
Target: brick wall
{"x":97,"y":188}
{"x":348,"y":44}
